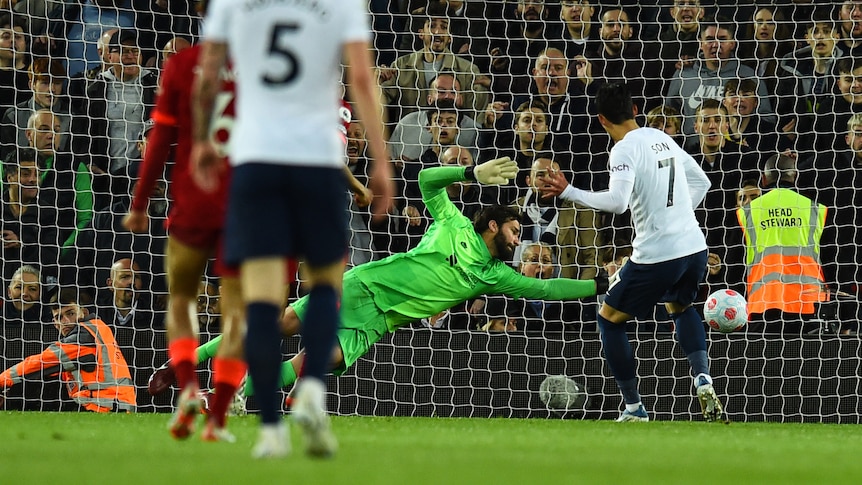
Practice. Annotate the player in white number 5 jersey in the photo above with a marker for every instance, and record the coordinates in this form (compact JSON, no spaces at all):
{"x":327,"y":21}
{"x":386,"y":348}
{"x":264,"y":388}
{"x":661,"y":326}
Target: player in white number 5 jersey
{"x":662,"y":184}
{"x":287,"y":187}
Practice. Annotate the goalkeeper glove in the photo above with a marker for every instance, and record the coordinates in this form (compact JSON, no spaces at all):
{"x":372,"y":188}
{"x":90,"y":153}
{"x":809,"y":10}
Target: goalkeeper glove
{"x":496,"y":172}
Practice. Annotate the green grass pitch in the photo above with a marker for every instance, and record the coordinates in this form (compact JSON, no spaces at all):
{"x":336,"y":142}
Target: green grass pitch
{"x":71,"y":448}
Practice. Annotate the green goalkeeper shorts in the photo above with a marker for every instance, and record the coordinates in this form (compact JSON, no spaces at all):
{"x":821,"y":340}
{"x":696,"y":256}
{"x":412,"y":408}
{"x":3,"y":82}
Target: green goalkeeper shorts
{"x":362,"y":322}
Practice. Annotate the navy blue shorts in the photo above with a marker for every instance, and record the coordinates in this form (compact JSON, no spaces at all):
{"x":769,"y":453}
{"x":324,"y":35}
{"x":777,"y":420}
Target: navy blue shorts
{"x":642,"y":286}
{"x":286,"y":210}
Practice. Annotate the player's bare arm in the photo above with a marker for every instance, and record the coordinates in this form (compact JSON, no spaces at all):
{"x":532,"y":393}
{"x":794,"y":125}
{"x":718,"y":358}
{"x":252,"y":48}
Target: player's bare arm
{"x":554,"y":183}
{"x":206,"y":161}
{"x":361,"y":194}
{"x":366,"y":95}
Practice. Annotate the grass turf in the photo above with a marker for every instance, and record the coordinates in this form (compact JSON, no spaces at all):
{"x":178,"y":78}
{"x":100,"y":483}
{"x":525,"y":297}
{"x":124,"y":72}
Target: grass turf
{"x":72,"y":448}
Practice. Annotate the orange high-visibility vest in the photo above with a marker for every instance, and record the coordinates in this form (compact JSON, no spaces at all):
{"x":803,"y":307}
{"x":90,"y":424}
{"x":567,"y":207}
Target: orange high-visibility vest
{"x":782,"y":236}
{"x":89,"y":362}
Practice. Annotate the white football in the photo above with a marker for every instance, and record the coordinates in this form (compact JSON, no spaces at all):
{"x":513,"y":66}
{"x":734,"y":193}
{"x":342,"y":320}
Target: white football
{"x":726,"y":311}
{"x":561,"y":393}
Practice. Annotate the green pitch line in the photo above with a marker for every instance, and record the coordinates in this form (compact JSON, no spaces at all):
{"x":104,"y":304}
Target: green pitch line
{"x":73,"y":448}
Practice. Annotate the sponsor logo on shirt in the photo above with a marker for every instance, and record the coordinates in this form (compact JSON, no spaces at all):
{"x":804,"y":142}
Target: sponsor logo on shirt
{"x":620,"y":168}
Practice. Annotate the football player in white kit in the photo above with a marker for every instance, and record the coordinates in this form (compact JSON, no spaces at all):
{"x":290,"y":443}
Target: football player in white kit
{"x":287,"y":188}
{"x":662,"y":184}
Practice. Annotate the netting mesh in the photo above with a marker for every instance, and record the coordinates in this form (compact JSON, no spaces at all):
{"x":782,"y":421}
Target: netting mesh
{"x":465,"y":82}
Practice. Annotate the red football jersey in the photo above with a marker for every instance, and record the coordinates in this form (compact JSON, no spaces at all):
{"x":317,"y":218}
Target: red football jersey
{"x":190,"y":206}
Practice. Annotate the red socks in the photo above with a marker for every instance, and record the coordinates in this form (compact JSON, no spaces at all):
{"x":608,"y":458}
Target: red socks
{"x":184,"y":360}
{"x":228,"y":375}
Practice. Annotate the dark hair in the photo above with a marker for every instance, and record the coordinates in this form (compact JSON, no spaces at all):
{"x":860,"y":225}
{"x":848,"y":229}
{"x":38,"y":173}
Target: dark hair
{"x":711,"y":103}
{"x":749,"y":183}
{"x":780,"y":167}
{"x":16,"y":157}
{"x":743,"y":85}
{"x":444,"y":106}
{"x":500,"y":214}
{"x":9,"y":21}
{"x":719,"y":22}
{"x":435,"y":10}
{"x":614,"y":102}
{"x":63,"y":297}
{"x":848,"y":64}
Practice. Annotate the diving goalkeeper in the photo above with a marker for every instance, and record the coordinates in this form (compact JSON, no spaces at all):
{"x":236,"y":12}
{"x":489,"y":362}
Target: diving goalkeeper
{"x":456,"y":260}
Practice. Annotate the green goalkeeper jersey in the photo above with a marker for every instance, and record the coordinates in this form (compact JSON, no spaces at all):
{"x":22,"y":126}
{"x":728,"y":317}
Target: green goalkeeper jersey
{"x":451,"y":264}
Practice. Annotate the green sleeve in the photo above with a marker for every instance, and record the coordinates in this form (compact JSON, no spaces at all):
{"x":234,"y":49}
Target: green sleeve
{"x":512,"y":283}
{"x":433,"y":182}
{"x":84,"y":196}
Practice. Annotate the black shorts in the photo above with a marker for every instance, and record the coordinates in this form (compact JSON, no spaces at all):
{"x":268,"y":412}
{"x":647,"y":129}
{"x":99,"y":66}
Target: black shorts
{"x":286,"y":210}
{"x":642,"y":286}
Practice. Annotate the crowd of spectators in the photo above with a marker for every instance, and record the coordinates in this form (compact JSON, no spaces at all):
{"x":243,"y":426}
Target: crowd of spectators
{"x":463,"y":82}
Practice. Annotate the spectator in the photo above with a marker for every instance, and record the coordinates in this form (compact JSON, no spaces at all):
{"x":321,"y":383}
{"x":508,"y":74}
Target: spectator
{"x":465,"y":195}
{"x":46,"y":82}
{"x":622,"y":57}
{"x":139,"y":329}
{"x":171,"y":47}
{"x":748,"y":191}
{"x":726,"y":164}
{"x":79,"y":25}
{"x":679,"y":39}
{"x":406,"y":83}
{"x":782,"y":237}
{"x":66,"y":183}
{"x":530,"y":136}
{"x":443,"y":120}
{"x":118,"y":101}
{"x":768,"y":40}
{"x":668,"y":120}
{"x":13,"y":61}
{"x":502,"y":314}
{"x":837,"y":178}
{"x":578,"y":33}
{"x":571,"y":229}
{"x":744,"y":125}
{"x":79,"y":81}
{"x":29,"y":231}
{"x":575,"y":132}
{"x":86,"y":358}
{"x":361,"y":237}
{"x":706,"y":77}
{"x":412,"y":134}
{"x":835,"y":109}
{"x":806,"y":75}
{"x":24,"y":298}
{"x":850,"y":18}
{"x":527,"y":36}
{"x":209,"y":311}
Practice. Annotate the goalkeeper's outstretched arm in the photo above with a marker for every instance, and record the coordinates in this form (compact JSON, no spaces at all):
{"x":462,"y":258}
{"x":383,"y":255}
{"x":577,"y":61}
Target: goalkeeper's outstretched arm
{"x":433,"y":181}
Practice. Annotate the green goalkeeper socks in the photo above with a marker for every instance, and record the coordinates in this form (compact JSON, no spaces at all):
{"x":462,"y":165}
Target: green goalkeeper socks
{"x":208,"y":351}
{"x":288,"y":377}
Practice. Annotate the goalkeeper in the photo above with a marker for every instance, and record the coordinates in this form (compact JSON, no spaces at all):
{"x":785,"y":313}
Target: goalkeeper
{"x":456,"y":260}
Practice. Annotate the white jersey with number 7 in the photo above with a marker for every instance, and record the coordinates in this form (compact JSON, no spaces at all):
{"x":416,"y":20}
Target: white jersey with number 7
{"x":661,"y":201}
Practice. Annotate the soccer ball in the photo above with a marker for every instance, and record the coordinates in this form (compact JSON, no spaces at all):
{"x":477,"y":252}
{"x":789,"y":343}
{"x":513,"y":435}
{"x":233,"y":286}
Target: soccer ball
{"x":725,"y":311}
{"x":560,"y":393}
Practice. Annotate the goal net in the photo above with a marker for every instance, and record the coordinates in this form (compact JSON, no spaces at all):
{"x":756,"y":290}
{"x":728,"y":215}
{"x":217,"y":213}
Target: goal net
{"x":464,"y":82}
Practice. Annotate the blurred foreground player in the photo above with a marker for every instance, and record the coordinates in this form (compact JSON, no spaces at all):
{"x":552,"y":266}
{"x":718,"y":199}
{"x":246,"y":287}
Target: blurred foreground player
{"x":195,"y":226}
{"x":288,"y":167}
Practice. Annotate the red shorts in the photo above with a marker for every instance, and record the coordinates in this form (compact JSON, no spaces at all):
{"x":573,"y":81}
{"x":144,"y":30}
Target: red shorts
{"x":207,"y":239}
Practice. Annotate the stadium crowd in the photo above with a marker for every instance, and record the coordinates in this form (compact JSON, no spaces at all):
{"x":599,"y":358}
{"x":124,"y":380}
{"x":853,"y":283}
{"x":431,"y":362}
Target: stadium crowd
{"x":464,"y":82}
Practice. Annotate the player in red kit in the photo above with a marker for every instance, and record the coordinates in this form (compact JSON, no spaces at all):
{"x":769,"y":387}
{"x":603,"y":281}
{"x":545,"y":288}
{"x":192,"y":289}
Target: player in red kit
{"x":195,"y":224}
